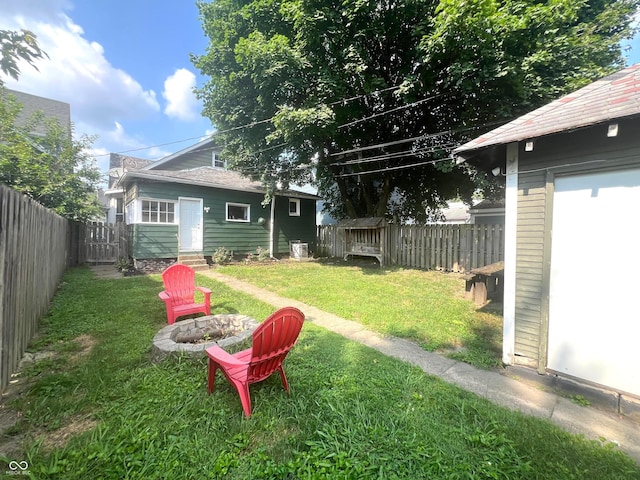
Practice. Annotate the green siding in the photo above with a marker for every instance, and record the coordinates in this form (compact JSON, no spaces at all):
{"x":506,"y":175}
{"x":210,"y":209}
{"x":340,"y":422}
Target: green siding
{"x":290,"y":228}
{"x":160,"y":241}
{"x":154,"y":241}
{"x":239,"y":237}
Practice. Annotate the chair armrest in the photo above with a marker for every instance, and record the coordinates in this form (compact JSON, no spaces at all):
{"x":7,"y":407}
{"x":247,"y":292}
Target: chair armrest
{"x":204,"y":290}
{"x":164,"y":296}
{"x":223,"y":358}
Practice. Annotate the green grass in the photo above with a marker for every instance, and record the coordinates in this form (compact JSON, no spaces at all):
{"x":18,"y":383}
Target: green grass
{"x":352,"y":414}
{"x":426,"y":306}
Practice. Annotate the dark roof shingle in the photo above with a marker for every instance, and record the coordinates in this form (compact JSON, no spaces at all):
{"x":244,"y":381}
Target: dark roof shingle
{"x":210,"y":177}
{"x":612,"y":97}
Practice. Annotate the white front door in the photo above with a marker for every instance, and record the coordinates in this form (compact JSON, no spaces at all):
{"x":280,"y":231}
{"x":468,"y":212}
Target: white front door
{"x":190,"y":215}
{"x":594,"y":313}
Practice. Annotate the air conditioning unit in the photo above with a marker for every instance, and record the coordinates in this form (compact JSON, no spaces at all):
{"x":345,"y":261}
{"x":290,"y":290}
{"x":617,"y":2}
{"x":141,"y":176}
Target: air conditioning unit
{"x":298,"y":250}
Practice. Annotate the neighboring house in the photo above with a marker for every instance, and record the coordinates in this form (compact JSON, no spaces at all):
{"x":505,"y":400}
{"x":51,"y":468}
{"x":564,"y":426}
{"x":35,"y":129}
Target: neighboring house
{"x":572,"y":259}
{"x":189,"y":204}
{"x":456,"y":213}
{"x":114,"y":194}
{"x":487,"y":212}
{"x":49,"y":107}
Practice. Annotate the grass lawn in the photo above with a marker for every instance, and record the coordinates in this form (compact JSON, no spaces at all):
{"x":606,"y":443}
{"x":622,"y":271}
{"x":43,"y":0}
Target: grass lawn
{"x":99,"y":408}
{"x":426,"y":306}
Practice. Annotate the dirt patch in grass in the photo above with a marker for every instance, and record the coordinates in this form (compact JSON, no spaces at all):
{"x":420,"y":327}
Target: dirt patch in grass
{"x":12,"y":430}
{"x":59,"y":438}
{"x":86,"y":344}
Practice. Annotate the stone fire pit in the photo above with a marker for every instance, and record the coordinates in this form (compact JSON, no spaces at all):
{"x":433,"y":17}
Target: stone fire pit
{"x":194,"y":335}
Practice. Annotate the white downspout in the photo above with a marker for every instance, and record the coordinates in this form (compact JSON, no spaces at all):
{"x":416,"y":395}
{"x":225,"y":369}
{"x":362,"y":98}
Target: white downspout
{"x":271,"y":225}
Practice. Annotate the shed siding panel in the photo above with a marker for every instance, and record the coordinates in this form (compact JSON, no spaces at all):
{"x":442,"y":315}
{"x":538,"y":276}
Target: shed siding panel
{"x":581,"y":151}
{"x":530,"y":247}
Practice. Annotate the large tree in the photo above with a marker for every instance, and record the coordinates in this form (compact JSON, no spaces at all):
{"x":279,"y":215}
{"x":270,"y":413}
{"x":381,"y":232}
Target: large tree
{"x":370,"y":97}
{"x":16,"y":46}
{"x":52,"y":168}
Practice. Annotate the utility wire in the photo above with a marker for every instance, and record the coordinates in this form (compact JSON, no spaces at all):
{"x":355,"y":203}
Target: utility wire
{"x":399,"y":167}
{"x":247,"y":125}
{"x":386,"y":112}
{"x":377,"y":158}
{"x":420,"y":137}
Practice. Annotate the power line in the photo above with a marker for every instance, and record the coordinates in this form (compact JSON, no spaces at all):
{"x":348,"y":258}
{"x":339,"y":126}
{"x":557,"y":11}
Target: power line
{"x":399,"y":167}
{"x":247,"y":125}
{"x":386,"y":112}
{"x":386,"y":156}
{"x":420,"y":137}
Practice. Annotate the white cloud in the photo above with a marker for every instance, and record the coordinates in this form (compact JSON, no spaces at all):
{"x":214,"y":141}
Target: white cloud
{"x":77,"y":71}
{"x":178,"y":91}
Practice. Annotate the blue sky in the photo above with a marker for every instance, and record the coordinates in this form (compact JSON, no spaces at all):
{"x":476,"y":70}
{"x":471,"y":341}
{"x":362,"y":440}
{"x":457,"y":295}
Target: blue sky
{"x":124,"y":68}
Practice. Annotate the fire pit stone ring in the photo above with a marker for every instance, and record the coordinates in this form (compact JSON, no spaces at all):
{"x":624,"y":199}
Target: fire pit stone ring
{"x":194,"y":335}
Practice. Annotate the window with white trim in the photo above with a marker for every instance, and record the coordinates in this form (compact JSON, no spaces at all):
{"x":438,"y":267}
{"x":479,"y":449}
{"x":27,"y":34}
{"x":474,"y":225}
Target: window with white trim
{"x":157,"y":211}
{"x":217,"y":161}
{"x":151,"y":211}
{"x":238,"y":212}
{"x":294,"y":207}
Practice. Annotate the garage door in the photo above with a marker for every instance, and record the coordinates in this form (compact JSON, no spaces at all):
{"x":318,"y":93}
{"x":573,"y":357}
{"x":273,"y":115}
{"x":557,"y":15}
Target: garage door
{"x":594,"y":304}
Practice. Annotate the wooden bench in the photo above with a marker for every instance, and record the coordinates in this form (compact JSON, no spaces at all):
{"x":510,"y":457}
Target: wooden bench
{"x":364,"y":250}
{"x":485,"y":283}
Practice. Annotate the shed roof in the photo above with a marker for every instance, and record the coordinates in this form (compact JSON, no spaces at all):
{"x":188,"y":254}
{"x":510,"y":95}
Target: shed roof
{"x":612,"y":97}
{"x":368,"y":222}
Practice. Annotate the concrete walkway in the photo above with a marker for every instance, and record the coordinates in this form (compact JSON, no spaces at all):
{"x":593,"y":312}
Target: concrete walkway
{"x":508,"y":392}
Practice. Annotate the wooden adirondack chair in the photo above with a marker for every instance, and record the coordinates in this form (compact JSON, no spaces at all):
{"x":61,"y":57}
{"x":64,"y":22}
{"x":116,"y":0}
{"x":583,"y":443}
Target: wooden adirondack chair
{"x":179,"y":294}
{"x":272,"y":341}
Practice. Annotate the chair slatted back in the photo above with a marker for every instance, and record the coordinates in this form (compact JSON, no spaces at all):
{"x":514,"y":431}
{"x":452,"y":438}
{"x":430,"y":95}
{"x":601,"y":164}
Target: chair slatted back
{"x":272,"y":341}
{"x":180,"y":283}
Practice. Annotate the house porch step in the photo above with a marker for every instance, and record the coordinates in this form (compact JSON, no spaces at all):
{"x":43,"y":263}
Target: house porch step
{"x":197,"y":262}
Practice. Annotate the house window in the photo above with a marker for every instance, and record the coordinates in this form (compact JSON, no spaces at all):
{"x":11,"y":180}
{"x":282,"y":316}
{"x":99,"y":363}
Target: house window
{"x":218,"y":162}
{"x":155,"y":211}
{"x":237,"y":212}
{"x":294,"y":207}
{"x":119,"y":209}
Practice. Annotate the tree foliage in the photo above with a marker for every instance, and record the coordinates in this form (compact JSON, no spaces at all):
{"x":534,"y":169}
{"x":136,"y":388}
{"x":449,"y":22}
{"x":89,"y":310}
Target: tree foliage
{"x":372,"y":96}
{"x":16,"y":46}
{"x":53,"y":168}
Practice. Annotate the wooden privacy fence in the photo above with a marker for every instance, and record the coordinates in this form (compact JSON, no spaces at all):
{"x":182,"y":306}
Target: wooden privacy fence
{"x":455,"y":248}
{"x":36,"y":247}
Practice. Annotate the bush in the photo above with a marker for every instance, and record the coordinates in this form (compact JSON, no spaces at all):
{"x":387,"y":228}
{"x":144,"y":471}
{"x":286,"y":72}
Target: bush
{"x":222,"y":255}
{"x":124,"y":264}
{"x":261,"y":255}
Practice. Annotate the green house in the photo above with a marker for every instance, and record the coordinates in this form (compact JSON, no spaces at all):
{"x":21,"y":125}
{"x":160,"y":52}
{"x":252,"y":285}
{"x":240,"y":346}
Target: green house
{"x":187,"y":205}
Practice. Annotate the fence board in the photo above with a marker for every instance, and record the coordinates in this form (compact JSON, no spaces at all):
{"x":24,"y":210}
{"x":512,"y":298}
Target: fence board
{"x":34,"y":251}
{"x":456,"y":248}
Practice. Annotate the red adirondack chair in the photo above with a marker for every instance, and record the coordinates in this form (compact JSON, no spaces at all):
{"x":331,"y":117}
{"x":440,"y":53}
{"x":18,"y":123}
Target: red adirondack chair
{"x":179,"y":294}
{"x":272,"y":341}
